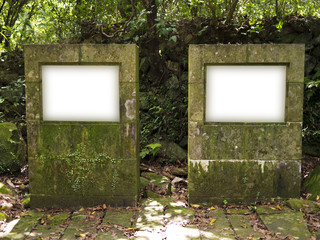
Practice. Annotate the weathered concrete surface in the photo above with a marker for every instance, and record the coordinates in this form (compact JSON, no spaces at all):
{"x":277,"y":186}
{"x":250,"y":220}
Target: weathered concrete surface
{"x":244,"y":162}
{"x":244,"y":227}
{"x":26,"y":224}
{"x":220,"y":229}
{"x":50,"y":225}
{"x":74,"y":164}
{"x":161,"y":218}
{"x":287,"y":223}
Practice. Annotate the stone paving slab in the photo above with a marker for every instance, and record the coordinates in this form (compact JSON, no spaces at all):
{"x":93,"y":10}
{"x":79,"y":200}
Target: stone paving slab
{"x":25,"y":225}
{"x":290,"y":223}
{"x":219,"y":229}
{"x":243,"y":226}
{"x":160,"y":219}
{"x":51,"y":226}
{"x":82,"y":223}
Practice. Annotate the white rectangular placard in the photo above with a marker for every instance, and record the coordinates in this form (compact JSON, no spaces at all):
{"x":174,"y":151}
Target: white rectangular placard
{"x":245,"y":93}
{"x":80,"y":93}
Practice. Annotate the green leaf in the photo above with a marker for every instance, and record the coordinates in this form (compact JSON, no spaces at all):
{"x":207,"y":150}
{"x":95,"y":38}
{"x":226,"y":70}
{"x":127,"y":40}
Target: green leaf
{"x":173,"y":38}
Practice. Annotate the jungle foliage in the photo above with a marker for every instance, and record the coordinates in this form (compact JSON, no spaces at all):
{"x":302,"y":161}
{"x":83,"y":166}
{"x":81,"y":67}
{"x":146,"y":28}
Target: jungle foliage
{"x":158,"y":27}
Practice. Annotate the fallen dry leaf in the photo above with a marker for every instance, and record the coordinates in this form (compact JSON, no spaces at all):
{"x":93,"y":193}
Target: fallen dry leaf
{"x":195,"y":205}
{"x":212,"y":221}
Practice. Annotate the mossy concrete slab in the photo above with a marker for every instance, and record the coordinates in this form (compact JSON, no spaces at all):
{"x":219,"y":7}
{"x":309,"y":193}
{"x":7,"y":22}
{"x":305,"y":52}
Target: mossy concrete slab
{"x":149,"y":235}
{"x":220,"y":229}
{"x":286,"y":223}
{"x":241,"y":211}
{"x":112,"y":234}
{"x":298,"y":204}
{"x":157,"y":202}
{"x":122,"y":217}
{"x":242,"y":181}
{"x":82,"y":222}
{"x":179,"y":215}
{"x":151,"y":217}
{"x":24,"y":227}
{"x":242,"y":226}
{"x":51,"y":226}
{"x":273,"y":210}
{"x":174,"y":232}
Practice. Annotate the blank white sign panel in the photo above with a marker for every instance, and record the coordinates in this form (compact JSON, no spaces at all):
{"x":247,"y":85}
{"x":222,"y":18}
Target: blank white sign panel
{"x":245,"y":93}
{"x":80,"y":93}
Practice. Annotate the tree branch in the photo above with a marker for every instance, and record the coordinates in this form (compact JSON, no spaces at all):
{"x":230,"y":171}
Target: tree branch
{"x":231,"y":12}
{"x":213,"y":7}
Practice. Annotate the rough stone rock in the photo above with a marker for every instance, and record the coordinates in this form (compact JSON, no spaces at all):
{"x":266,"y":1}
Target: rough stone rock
{"x":181,"y":172}
{"x":173,"y":151}
{"x":3,"y":216}
{"x":151,"y":194}
{"x":177,"y":180}
{"x":312,"y":183}
{"x":144,"y":182}
{"x":156,"y":179}
{"x":11,"y":148}
{"x":298,"y":204}
{"x":158,"y":182}
{"x":4,"y":189}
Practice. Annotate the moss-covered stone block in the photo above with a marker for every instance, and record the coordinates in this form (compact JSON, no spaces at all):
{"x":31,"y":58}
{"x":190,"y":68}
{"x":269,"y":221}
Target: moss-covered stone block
{"x":33,"y":99}
{"x":243,"y":228}
{"x":283,"y":224}
{"x":260,"y":142}
{"x":298,"y":204}
{"x":291,"y":54}
{"x":232,"y":161}
{"x":242,"y":181}
{"x":25,"y":226}
{"x":126,"y":54}
{"x":12,"y":152}
{"x":55,"y":53}
{"x":294,"y":102}
{"x":79,"y":163}
{"x":50,"y":224}
{"x":196,"y":108}
{"x":195,"y":140}
{"x":312,"y":183}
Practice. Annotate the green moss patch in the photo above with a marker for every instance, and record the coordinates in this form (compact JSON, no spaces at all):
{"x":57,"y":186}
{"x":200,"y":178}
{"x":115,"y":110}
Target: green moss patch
{"x":312,"y":183}
{"x":4,"y":189}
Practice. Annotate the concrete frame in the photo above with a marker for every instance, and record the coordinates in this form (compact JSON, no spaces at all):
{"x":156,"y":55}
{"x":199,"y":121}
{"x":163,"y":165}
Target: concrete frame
{"x":244,"y":162}
{"x":73,"y":164}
